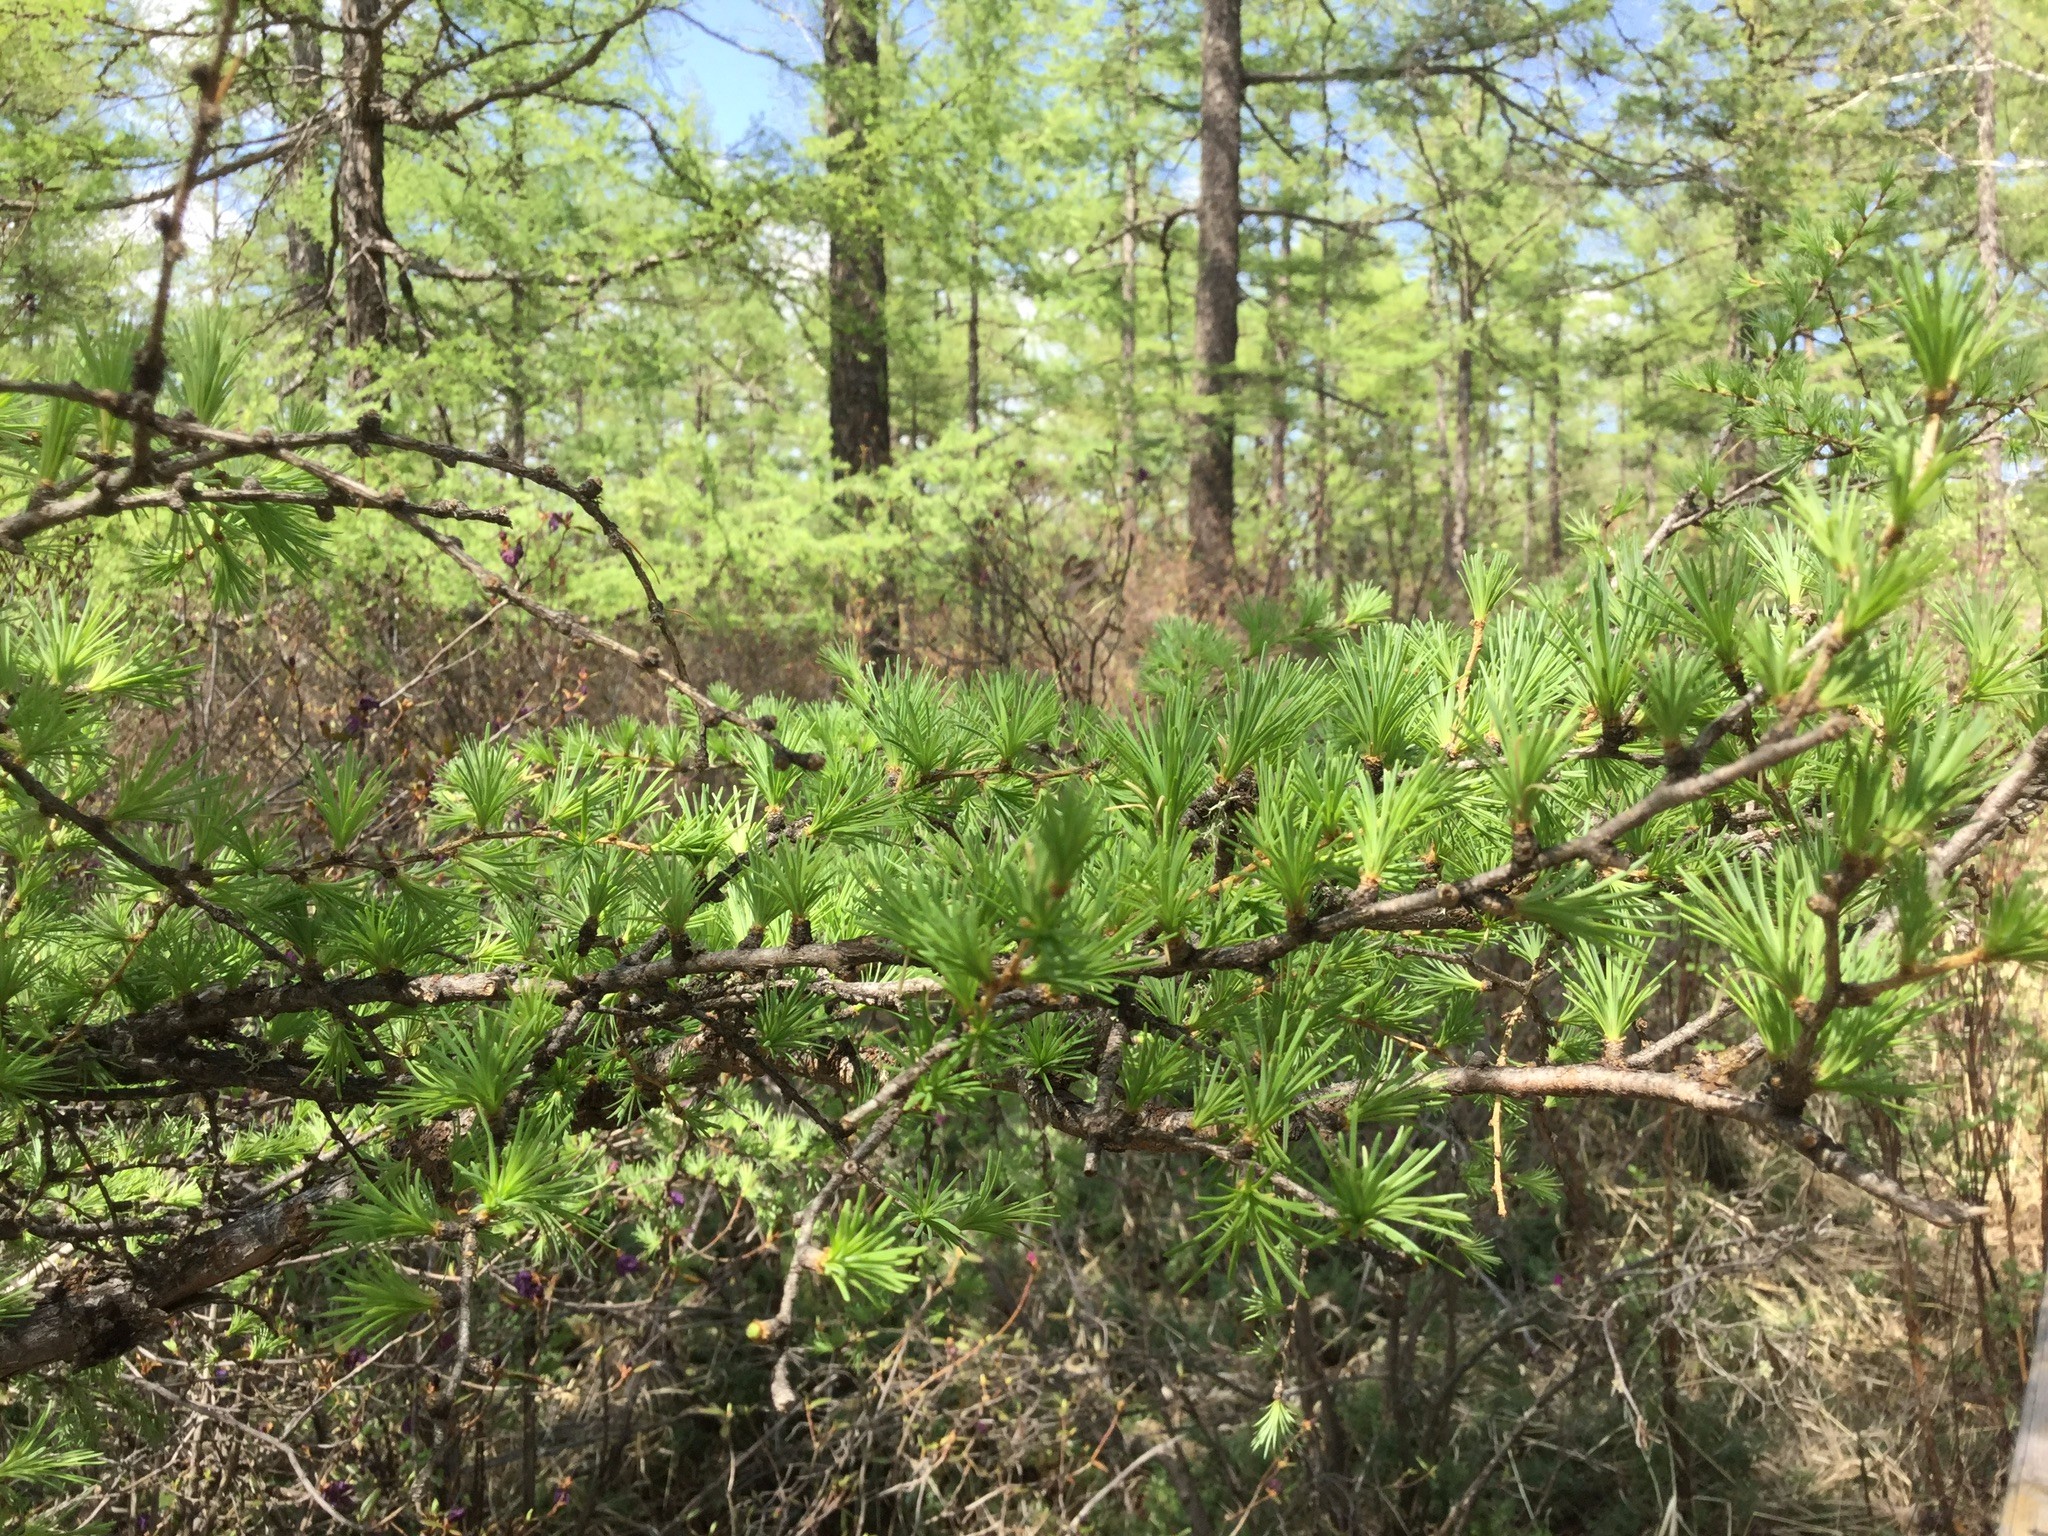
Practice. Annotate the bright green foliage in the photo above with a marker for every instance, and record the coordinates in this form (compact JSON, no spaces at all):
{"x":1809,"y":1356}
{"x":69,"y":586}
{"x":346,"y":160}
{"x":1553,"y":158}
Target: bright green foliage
{"x":862,"y":1256}
{"x":1261,"y":893}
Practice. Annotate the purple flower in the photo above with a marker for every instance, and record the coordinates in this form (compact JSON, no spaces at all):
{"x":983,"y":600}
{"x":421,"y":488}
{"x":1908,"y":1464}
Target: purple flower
{"x":528,"y":1285}
{"x":677,"y":1196}
{"x":144,"y":1521}
{"x":561,"y":1495}
{"x":341,"y":1493}
{"x":629,"y":1263}
{"x":222,"y":1372}
{"x":457,"y":1514}
{"x":357,"y":1356}
{"x":511,"y":551}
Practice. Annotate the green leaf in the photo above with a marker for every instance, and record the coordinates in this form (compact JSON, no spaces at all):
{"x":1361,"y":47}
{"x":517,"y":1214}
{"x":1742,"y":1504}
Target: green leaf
{"x":377,"y":1301}
{"x":861,"y":1255}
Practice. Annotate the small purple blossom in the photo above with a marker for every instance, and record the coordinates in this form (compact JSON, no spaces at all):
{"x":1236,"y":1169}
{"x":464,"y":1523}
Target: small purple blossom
{"x":678,"y":1197}
{"x":341,"y":1493}
{"x":222,"y":1372}
{"x":458,"y":1514}
{"x":629,"y":1263}
{"x":356,"y":1357}
{"x":528,"y":1285}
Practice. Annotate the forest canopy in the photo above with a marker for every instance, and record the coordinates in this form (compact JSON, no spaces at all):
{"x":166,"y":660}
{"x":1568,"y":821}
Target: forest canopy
{"x":1214,"y":768}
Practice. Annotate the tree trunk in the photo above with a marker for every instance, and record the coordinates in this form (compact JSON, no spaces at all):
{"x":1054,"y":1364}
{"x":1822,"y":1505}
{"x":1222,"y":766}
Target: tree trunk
{"x":1127,"y":405}
{"x":1319,"y":505}
{"x":1276,"y":325}
{"x":974,"y":337}
{"x":359,"y":186}
{"x":1529,"y":489}
{"x":858,"y":388}
{"x":515,"y":390}
{"x":1458,"y":514}
{"x":857,"y":384}
{"x":1649,"y":452}
{"x":305,"y":251}
{"x":1212,"y":433}
{"x":1983,"y":47}
{"x":1553,"y":465}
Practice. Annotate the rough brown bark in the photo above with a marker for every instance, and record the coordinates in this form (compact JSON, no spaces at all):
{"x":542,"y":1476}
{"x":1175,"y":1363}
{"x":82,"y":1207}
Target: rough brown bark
{"x":86,"y":1321}
{"x":359,"y":185}
{"x":1212,"y":432}
{"x":858,"y":387}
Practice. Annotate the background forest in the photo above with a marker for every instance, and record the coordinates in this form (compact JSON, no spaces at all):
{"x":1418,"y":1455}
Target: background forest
{"x":1120,"y":346}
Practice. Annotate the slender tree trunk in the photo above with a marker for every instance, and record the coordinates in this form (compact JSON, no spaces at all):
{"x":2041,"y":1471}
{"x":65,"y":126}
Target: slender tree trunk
{"x":974,"y":338}
{"x":1212,"y":433}
{"x":1319,"y":508}
{"x":1276,"y":325}
{"x":515,"y":390}
{"x":857,"y":386}
{"x":1127,"y":249}
{"x":1984,"y":50}
{"x":1446,"y":473}
{"x":305,"y":252}
{"x":1529,"y":516}
{"x":1319,"y":505}
{"x":1127,"y":418}
{"x":1458,"y":514}
{"x":1552,"y":461}
{"x":359,"y":186}
{"x":1649,"y":452}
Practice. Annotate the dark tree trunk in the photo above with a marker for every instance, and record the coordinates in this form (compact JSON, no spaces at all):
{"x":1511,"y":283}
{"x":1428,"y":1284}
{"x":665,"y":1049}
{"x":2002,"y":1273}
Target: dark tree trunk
{"x":1212,"y":446}
{"x":858,"y":389}
{"x":857,"y":384}
{"x":359,"y":185}
{"x":974,"y":339}
{"x":305,"y":251}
